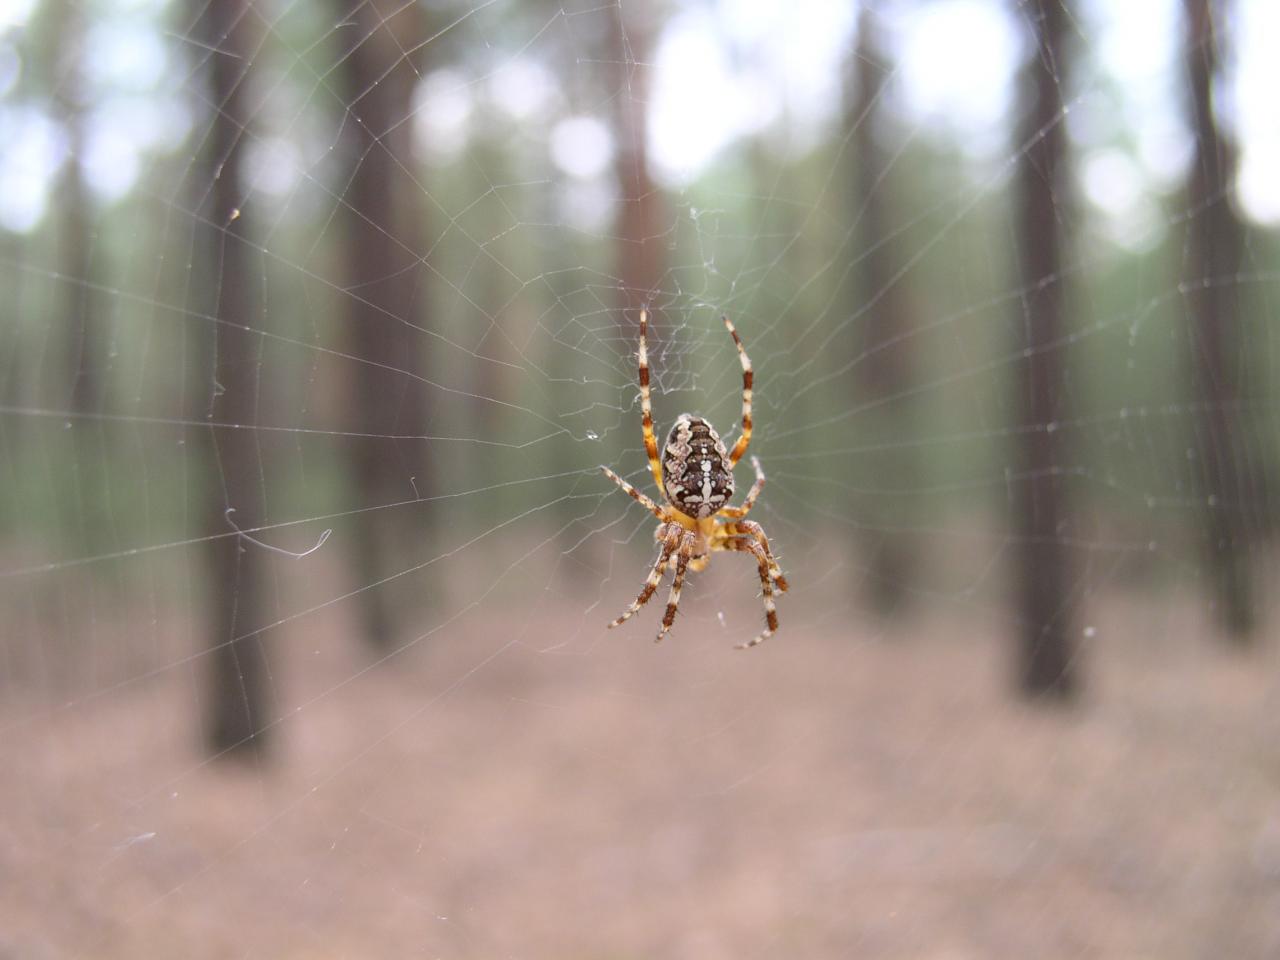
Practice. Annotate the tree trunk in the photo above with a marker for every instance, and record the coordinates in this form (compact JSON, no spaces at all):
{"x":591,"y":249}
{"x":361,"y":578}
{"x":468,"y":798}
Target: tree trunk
{"x":1041,"y":510}
{"x":83,"y":387}
{"x":385,"y":301}
{"x":1212,"y":262}
{"x":239,"y":694}
{"x":641,"y":226}
{"x":879,"y":297}
{"x":74,"y":219}
{"x":84,"y":353}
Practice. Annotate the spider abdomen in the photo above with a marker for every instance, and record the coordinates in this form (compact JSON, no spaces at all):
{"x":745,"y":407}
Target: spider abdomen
{"x":695,"y":468}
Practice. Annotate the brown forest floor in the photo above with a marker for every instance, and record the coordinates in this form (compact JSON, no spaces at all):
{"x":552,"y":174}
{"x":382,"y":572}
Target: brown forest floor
{"x":839,"y":792}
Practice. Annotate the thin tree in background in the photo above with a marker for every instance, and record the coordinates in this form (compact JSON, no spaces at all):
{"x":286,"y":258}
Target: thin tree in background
{"x":385,"y":298}
{"x":83,"y":317}
{"x":1212,"y":262}
{"x":880,"y":299}
{"x":1047,"y":663}
{"x":75,"y":235}
{"x":641,"y":227}
{"x":239,"y":699}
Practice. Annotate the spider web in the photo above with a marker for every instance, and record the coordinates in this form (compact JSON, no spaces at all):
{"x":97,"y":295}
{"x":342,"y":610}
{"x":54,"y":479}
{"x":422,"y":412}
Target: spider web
{"x":865,"y":782}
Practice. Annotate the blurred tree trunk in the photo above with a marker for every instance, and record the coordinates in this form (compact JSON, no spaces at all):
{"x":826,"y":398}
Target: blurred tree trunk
{"x":879,"y":295}
{"x":641,"y":224}
{"x":1041,"y":510}
{"x":84,"y":352}
{"x":1212,"y":262}
{"x":13,"y":254}
{"x":385,"y":300}
{"x":75,"y":237}
{"x":81,"y":389}
{"x":238,"y":701}
{"x":641,"y":228}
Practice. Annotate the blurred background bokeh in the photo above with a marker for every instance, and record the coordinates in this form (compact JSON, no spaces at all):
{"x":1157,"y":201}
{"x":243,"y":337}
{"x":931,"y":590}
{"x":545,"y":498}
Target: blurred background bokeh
{"x":319,"y":318}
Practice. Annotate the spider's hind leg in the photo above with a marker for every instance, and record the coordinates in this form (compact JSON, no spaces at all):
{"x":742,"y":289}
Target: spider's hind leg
{"x":669,"y":536}
{"x":635,"y":494}
{"x":687,"y":540}
{"x":756,"y":532}
{"x":766,"y":589}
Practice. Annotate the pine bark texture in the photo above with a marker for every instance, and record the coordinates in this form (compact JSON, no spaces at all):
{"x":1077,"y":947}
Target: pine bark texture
{"x":1041,"y":508}
{"x":240,"y":609}
{"x":641,"y":227}
{"x":879,"y":301}
{"x":1214,"y":243}
{"x":386,"y":308}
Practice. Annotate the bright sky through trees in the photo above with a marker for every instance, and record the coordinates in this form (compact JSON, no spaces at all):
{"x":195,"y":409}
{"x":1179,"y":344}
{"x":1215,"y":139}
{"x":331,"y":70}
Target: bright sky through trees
{"x":721,"y":75}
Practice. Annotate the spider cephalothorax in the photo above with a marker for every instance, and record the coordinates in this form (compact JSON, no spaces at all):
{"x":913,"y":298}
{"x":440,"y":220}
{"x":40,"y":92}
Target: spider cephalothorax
{"x":695,"y":468}
{"x":694,"y":475}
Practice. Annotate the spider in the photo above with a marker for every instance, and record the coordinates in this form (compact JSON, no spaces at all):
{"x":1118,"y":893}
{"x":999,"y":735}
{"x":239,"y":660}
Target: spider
{"x":695,"y":478}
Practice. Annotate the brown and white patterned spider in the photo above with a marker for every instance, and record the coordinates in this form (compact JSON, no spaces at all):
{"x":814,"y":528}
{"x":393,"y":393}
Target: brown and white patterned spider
{"x":695,"y":478}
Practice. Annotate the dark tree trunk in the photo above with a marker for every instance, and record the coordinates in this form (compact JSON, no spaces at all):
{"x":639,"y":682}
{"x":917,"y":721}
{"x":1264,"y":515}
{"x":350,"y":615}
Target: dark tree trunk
{"x":641,"y":228}
{"x":84,"y":374}
{"x":82,"y":390}
{"x":385,"y":300}
{"x":84,"y":355}
{"x":1212,"y":262}
{"x":74,"y":218}
{"x":879,"y":297}
{"x":12,"y":275}
{"x":641,"y":222}
{"x":1041,"y":510}
{"x":239,"y":695}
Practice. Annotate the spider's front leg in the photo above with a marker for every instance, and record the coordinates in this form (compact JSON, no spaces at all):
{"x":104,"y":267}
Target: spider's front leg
{"x":740,"y":447}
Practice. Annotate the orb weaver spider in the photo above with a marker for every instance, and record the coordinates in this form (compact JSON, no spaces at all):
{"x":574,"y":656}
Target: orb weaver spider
{"x":695,"y":480}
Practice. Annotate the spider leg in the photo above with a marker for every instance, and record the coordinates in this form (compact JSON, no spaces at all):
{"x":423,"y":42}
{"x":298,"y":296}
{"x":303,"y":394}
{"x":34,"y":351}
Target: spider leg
{"x":766,"y":588}
{"x":673,"y":601}
{"x":756,"y":532}
{"x":669,"y":534}
{"x":736,"y":513}
{"x":646,"y":407}
{"x":635,"y":494}
{"x":740,"y":447}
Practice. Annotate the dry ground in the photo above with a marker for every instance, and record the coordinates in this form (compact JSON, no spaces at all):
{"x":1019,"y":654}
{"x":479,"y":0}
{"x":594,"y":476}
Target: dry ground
{"x":838,"y":792}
